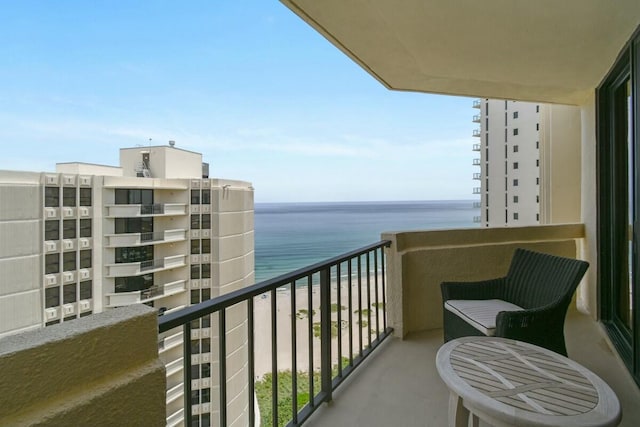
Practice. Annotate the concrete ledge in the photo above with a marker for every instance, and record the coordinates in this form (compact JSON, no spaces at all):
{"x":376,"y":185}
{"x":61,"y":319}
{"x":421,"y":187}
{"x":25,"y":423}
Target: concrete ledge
{"x":99,"y":370}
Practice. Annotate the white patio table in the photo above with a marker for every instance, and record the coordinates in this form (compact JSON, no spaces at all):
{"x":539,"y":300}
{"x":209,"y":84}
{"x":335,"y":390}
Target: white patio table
{"x":511,"y":383}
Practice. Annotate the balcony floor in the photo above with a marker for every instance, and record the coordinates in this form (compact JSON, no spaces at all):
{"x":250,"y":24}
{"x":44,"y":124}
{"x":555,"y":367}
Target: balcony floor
{"x":399,"y":384}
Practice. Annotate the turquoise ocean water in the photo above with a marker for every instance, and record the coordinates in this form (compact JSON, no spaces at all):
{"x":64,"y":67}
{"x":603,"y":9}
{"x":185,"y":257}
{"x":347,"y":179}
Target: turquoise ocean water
{"x":289,"y":236}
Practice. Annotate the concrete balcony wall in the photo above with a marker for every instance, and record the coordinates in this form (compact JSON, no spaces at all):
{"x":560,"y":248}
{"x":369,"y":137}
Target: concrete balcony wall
{"x":100,"y":370}
{"x":419,"y":261}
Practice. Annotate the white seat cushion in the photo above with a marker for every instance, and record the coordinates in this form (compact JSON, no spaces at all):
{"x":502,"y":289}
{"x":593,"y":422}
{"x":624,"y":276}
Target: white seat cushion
{"x":481,"y":314}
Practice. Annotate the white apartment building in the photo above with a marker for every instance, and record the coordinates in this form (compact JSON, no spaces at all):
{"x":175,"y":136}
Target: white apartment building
{"x":155,"y":230}
{"x":516,"y":142}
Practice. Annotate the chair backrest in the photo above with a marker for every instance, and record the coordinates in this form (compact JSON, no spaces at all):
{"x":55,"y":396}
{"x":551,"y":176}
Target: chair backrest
{"x":536,"y":279}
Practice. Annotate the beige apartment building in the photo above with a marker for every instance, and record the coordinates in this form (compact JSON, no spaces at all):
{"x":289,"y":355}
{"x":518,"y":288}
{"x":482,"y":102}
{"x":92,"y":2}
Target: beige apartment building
{"x":515,"y":163}
{"x":155,"y":230}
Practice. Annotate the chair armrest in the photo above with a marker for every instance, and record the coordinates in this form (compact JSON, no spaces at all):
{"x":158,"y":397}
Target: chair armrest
{"x":486,"y":289}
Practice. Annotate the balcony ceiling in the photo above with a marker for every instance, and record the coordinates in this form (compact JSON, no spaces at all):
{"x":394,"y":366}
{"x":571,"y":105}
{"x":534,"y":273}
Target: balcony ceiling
{"x":543,"y":50}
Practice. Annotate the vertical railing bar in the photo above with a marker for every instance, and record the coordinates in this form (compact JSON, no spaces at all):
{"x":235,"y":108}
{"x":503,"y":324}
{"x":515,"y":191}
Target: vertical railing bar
{"x":222,"y":364}
{"x":325,"y":333}
{"x":360,"y":302}
{"x":251,"y":367}
{"x":375,"y":267}
{"x":186,"y":347}
{"x":294,"y":356}
{"x":310,"y":324}
{"x":274,"y":360}
{"x":339,"y":299}
{"x":350,"y":294}
{"x":369,"y":297}
{"x":384,"y":299}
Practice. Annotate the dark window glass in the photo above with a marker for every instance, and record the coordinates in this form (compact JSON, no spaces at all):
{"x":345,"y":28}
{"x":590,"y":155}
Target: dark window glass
{"x":51,"y":197}
{"x":515,"y":131}
{"x":205,"y":395}
{"x":515,"y":182}
{"x":52,"y":230}
{"x":206,"y":221}
{"x":52,"y":263}
{"x":195,"y":247}
{"x":69,"y":196}
{"x":195,"y":197}
{"x":205,"y":421}
{"x":134,"y":254}
{"x":122,"y":196}
{"x":206,"y":294}
{"x":206,"y":321}
{"x":195,"y":346}
{"x":85,"y":289}
{"x":69,"y":294}
{"x":206,"y":370}
{"x":134,"y":196}
{"x":195,"y":372}
{"x":206,"y":246}
{"x":206,"y":197}
{"x":206,"y":345}
{"x":85,"y":258}
{"x":195,"y":399}
{"x":195,"y":271}
{"x":69,"y":261}
{"x":85,"y":197}
{"x":85,"y":228}
{"x":195,"y":324}
{"x":195,"y":296}
{"x":134,"y":283}
{"x":195,"y":221}
{"x":69,"y":229}
{"x":134,"y":225}
{"x":52,"y":297}
{"x":206,"y":271}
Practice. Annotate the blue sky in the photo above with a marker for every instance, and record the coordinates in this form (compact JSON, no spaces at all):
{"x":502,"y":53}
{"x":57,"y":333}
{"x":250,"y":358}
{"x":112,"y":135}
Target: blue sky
{"x":247,"y":83}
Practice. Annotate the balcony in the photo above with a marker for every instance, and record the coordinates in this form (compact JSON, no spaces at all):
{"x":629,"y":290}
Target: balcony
{"x":476,"y":118}
{"x":476,"y":147}
{"x":139,"y":239}
{"x":477,"y":204}
{"x":131,"y":211}
{"x":476,"y":162}
{"x":143,"y":267}
{"x":477,"y":190}
{"x":477,"y":219}
{"x":477,"y":133}
{"x":153,"y":293}
{"x":477,"y":103}
{"x":477,"y":175}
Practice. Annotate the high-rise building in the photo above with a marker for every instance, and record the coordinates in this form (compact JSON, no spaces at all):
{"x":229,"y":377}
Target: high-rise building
{"x":155,"y":230}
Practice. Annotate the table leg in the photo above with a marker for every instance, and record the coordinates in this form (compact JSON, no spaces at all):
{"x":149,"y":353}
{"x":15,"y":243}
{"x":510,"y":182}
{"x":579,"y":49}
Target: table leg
{"x":458,"y":414}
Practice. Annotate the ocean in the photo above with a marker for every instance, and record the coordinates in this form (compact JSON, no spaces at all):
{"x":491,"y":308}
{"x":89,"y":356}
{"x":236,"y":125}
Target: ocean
{"x":289,"y":236}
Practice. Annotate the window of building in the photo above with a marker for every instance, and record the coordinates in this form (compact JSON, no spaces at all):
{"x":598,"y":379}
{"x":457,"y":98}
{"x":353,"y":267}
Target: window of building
{"x":134,"y":283}
{"x":206,"y":271}
{"x":515,"y":148}
{"x":537,"y":181}
{"x":69,"y":261}
{"x":206,"y":321}
{"x":69,"y":196}
{"x":195,"y":346}
{"x":515,"y":215}
{"x":537,"y":217}
{"x":134,"y":254}
{"x":85,"y":258}
{"x":85,"y":228}
{"x":134,"y":225}
{"x":85,"y":289}
{"x":515,"y":165}
{"x":51,"y":197}
{"x":515,"y":114}
{"x":134,"y":196}
{"x":537,"y":162}
{"x":206,"y":197}
{"x":206,"y":246}
{"x":195,"y":247}
{"x":205,"y":294}
{"x":515,"y":199}
{"x":85,"y":197}
{"x":538,"y":144}
{"x":195,"y":271}
{"x":69,"y":293}
{"x":69,"y":229}
{"x":206,"y":221}
{"x":206,"y":370}
{"x":195,"y":197}
{"x":206,"y":345}
{"x":195,"y":221}
{"x":52,"y":263}
{"x":195,"y":372}
{"x":515,"y":131}
{"x":205,"y":420}
{"x":205,"y":395}
{"x":52,"y":230}
{"x":505,"y":118}
{"x":195,"y":399}
{"x":537,"y":199}
{"x":537,"y":108}
{"x":51,"y":297}
{"x":537,"y":126}
{"x":515,"y":182}
{"x":195,"y":296}
{"x":195,"y":324}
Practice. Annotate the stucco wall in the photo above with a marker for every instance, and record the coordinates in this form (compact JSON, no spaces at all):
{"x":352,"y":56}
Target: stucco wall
{"x":419,"y":261}
{"x":101,"y":370}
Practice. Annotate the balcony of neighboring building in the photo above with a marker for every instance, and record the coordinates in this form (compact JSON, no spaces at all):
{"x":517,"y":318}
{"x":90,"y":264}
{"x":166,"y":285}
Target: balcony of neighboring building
{"x":146,"y":238}
{"x":151,"y":293}
{"x":477,"y":133}
{"x":477,"y":204}
{"x":477,"y":175}
{"x":476,"y":162}
{"x":476,"y":118}
{"x":125,"y":269}
{"x":136,"y":210}
{"x":477,"y":103}
{"x":477,"y":190}
{"x":476,"y":147}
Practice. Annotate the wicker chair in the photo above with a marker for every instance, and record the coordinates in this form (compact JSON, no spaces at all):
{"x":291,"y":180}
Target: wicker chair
{"x":528,"y":304}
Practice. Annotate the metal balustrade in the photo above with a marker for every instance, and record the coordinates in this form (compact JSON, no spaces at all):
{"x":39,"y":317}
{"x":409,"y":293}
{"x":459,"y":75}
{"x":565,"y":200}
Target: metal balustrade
{"x":349,"y":291}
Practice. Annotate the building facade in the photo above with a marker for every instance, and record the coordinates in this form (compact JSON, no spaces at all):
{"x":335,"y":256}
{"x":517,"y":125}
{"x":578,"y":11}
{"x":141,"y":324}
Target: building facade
{"x":155,"y":230}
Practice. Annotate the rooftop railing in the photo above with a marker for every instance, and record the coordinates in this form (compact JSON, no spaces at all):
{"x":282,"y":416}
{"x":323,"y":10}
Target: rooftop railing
{"x":335,"y":308}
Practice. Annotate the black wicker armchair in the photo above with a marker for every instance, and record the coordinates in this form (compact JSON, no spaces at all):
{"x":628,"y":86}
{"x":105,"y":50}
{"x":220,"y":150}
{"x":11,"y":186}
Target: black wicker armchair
{"x":528,"y":304}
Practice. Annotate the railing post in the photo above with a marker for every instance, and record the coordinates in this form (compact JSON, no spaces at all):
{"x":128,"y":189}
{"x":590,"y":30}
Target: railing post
{"x":325,"y":332}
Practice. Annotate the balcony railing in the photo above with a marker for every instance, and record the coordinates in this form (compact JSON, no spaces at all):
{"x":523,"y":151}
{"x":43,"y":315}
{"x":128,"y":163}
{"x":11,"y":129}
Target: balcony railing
{"x":477,"y":175}
{"x":119,"y":299}
{"x":125,"y":269}
{"x":477,"y":132}
{"x":338,"y":306}
{"x":127,"y":211}
{"x":137,"y":239}
{"x":477,"y":204}
{"x":477,"y":190}
{"x":476,"y":118}
{"x":477,"y":103}
{"x":476,"y":147}
{"x":477,"y":219}
{"x":476,"y":162}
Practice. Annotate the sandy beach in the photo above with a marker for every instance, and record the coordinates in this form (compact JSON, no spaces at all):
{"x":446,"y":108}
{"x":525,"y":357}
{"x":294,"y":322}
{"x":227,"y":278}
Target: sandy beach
{"x":285,"y":313}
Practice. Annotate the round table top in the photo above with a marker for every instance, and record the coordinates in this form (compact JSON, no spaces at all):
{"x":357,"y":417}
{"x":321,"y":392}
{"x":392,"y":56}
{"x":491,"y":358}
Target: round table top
{"x":517,"y":383}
